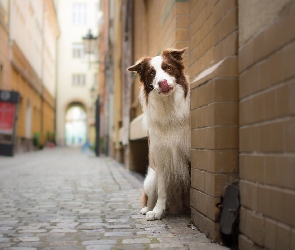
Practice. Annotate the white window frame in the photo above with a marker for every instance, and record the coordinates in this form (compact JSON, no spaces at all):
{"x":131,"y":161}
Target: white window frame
{"x":78,"y":51}
{"x":78,"y":80}
{"x":79,"y":14}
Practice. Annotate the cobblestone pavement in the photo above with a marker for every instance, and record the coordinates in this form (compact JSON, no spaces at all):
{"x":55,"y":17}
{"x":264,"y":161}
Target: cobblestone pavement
{"x":63,"y":199}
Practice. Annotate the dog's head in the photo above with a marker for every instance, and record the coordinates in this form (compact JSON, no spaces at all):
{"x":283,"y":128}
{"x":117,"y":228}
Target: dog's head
{"x":162,"y":73}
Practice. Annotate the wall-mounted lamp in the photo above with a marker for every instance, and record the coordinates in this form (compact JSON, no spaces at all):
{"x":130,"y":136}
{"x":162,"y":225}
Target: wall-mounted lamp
{"x":92,"y":92}
{"x":90,"y":45}
{"x":89,"y":42}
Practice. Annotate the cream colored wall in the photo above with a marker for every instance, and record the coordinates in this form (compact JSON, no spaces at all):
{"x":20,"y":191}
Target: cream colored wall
{"x":26,"y":30}
{"x":35,"y":34}
{"x":67,"y":66}
{"x":51,"y":33}
{"x":4,"y":45}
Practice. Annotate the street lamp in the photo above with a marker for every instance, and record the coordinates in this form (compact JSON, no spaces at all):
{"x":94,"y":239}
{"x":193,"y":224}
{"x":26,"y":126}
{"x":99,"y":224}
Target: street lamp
{"x":89,"y":42}
{"x":92,"y":92}
{"x":90,"y":45}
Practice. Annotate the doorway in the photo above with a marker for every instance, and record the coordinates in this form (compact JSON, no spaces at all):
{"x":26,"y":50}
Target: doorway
{"x":28,"y":119}
{"x":76,"y":126}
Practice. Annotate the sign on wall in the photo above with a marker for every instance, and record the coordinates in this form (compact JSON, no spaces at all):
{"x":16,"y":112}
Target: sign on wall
{"x":8,"y":114}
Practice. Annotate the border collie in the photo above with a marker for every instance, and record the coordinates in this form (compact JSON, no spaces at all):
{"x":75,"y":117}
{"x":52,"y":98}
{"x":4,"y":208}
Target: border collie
{"x":165,"y":102}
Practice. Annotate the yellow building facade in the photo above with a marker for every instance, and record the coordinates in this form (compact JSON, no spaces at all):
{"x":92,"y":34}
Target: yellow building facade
{"x":4,"y":45}
{"x":29,"y":67}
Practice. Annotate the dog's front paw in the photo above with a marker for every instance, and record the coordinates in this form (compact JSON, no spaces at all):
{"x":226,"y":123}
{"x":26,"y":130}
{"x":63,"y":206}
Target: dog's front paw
{"x":152,"y":215}
{"x":144,"y":210}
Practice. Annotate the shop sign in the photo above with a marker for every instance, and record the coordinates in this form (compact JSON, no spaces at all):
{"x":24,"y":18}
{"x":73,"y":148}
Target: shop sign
{"x":8,"y":116}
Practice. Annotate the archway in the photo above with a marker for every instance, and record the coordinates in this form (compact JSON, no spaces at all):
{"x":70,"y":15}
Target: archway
{"x":76,"y":126}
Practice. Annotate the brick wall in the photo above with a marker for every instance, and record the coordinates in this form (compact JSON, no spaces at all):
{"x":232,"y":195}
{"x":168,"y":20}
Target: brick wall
{"x":267,"y":129}
{"x":242,"y":107}
{"x":213,"y":40}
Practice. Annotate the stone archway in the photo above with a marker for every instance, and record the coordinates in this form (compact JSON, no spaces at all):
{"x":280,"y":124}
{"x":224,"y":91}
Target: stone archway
{"x":75,"y":125}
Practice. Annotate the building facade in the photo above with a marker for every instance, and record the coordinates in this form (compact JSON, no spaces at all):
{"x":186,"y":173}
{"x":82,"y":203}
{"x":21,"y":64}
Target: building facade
{"x":240,"y":60}
{"x":4,"y":44}
{"x":28,"y":66}
{"x":77,"y":81}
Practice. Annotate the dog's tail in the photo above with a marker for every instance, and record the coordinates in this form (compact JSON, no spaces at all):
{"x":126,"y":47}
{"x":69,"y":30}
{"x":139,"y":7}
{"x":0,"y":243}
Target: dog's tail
{"x":144,"y":199}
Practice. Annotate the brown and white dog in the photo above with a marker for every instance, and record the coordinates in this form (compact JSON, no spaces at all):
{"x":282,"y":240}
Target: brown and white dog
{"x":165,"y":102}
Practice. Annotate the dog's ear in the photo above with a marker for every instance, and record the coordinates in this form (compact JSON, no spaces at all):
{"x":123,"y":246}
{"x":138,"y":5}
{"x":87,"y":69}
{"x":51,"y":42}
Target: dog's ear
{"x":138,"y":66}
{"x":175,"y":53}
{"x":135,"y":68}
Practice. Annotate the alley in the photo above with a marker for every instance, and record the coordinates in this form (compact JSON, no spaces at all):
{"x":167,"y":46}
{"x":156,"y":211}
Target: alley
{"x":64,"y":199}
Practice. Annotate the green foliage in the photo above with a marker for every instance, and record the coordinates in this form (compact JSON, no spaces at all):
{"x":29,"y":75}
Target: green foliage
{"x":39,"y":140}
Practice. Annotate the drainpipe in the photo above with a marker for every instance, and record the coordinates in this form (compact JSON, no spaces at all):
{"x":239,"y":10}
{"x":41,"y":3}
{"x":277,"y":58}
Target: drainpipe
{"x":56,"y":78}
{"x":42,"y":71}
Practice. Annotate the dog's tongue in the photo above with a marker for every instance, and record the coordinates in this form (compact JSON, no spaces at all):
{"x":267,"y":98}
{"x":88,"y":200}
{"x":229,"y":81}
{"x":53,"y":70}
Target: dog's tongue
{"x":164,"y":86}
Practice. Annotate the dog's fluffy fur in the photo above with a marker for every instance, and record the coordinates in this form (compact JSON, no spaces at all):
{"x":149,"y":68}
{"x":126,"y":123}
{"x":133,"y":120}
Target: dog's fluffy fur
{"x":165,"y":102}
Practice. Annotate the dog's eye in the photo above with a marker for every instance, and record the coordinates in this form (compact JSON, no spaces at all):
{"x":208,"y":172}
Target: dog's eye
{"x":152,"y":73}
{"x":169,"y":68}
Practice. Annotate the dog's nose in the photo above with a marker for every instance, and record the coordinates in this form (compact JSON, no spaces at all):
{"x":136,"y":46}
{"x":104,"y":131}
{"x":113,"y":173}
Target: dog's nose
{"x":164,"y":86}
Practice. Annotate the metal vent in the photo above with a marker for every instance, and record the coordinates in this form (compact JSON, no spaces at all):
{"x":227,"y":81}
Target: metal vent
{"x":229,"y":221}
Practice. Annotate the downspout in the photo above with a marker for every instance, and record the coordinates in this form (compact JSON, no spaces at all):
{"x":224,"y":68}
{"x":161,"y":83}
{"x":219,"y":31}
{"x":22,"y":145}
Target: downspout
{"x":56,"y":78}
{"x":42,"y":72}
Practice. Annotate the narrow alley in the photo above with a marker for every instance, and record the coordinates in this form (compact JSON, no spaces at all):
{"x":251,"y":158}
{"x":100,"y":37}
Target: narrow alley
{"x":63,"y":199}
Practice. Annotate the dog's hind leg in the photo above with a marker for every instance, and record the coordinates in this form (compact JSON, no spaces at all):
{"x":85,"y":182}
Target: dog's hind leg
{"x":144,"y":200}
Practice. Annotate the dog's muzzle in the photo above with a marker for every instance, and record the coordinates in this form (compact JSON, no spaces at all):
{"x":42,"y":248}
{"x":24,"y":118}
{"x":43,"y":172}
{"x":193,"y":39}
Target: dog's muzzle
{"x":164,"y":86}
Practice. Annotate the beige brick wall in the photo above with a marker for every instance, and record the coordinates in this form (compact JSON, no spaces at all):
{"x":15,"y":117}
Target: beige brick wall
{"x":267,"y":128}
{"x":213,"y":37}
{"x":242,"y":113}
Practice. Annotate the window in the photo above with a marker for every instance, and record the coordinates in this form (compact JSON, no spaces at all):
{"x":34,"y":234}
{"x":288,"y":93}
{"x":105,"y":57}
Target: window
{"x":78,"y":80}
{"x":78,"y":50}
{"x":79,"y":14}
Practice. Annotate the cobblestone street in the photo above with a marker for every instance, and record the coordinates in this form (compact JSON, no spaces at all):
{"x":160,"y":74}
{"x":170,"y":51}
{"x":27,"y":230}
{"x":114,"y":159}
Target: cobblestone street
{"x":64,"y":199}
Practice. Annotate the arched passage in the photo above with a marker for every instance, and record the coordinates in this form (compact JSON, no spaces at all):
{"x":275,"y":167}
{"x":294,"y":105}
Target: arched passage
{"x":76,"y":125}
